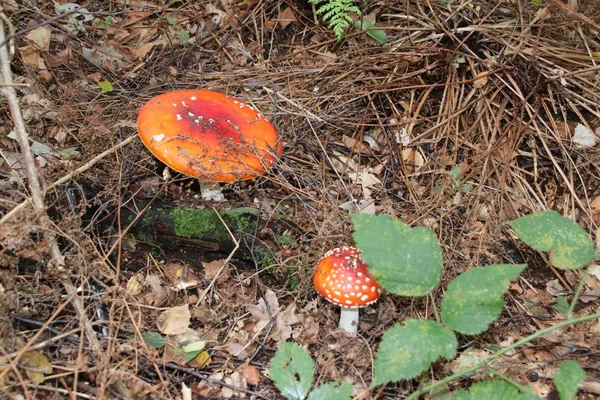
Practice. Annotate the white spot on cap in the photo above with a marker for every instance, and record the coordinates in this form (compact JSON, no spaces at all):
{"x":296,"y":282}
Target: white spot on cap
{"x":211,"y":121}
{"x":174,"y":105}
{"x":365,"y":297}
{"x":157,"y":138}
{"x":373,"y":289}
{"x":196,"y":121}
{"x":183,"y":104}
{"x":191,"y":114}
{"x":237,"y":128}
{"x":193,"y":98}
{"x":179,"y":117}
{"x":348,"y":302}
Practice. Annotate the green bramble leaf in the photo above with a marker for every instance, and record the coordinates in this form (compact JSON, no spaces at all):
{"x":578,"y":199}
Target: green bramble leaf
{"x":405,"y":261}
{"x":569,"y":245}
{"x":497,"y":390}
{"x":154,"y":339}
{"x":567,"y":379}
{"x":292,"y":370}
{"x":474,"y":299}
{"x":407,"y":351}
{"x":332,"y":391}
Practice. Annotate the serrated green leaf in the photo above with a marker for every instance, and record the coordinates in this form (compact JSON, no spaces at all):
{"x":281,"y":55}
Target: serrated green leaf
{"x":292,"y":370}
{"x":474,"y":299}
{"x":332,"y":391}
{"x":106,"y":86}
{"x":569,"y":246}
{"x":378,"y":35}
{"x":154,"y":339}
{"x":406,"y":351}
{"x":497,"y":390}
{"x":405,"y":261}
{"x":567,"y":379}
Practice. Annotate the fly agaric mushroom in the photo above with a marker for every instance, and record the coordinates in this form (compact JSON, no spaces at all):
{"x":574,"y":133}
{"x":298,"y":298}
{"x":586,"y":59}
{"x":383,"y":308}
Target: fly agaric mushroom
{"x":210,"y":136}
{"x":343,"y":279}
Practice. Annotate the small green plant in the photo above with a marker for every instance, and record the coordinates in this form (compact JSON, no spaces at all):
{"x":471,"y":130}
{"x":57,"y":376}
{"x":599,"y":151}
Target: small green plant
{"x":407,"y":261}
{"x":292,"y":369}
{"x":337,"y":13}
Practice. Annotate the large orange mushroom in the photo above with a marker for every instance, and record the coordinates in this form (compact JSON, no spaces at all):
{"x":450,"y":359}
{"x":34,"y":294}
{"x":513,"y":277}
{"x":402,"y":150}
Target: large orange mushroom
{"x":210,"y":136}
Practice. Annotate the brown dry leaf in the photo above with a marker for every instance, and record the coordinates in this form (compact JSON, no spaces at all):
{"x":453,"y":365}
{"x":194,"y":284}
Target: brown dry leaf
{"x":414,"y":159}
{"x":259,"y":310}
{"x":40,"y":38}
{"x":237,"y":350}
{"x":562,"y":130}
{"x":134,"y":286}
{"x":10,"y":5}
{"x":211,"y":269}
{"x":356,"y":145}
{"x":158,"y":293}
{"x":595,"y":204}
{"x":367,"y":181}
{"x":251,"y":374}
{"x":37,"y":366}
{"x":310,"y":332}
{"x":590,"y":295}
{"x":343,"y":164}
{"x":174,"y":321}
{"x":111,"y":56}
{"x":286,"y":17}
{"x":283,"y":325}
{"x":238,"y":380}
{"x":131,"y":18}
{"x":141,"y":51}
{"x":481,"y":80}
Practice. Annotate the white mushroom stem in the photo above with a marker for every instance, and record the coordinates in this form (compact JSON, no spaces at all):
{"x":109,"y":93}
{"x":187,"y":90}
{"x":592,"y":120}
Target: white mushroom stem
{"x":349,"y":319}
{"x":211,"y":191}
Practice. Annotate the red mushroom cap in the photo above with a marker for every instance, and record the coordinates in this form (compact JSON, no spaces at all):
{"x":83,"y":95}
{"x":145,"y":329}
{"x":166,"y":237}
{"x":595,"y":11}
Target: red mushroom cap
{"x":343,"y":279}
{"x":208,"y":135}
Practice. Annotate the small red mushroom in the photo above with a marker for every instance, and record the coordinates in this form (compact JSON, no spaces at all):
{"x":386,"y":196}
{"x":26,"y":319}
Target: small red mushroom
{"x":343,"y":279}
{"x":208,"y":135}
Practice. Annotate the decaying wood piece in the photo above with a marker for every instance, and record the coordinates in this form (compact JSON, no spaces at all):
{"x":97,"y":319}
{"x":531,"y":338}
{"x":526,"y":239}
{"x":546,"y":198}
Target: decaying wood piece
{"x":171,"y":227}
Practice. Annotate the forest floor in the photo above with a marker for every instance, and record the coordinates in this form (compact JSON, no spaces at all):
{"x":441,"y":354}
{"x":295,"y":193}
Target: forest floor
{"x":470,"y":114}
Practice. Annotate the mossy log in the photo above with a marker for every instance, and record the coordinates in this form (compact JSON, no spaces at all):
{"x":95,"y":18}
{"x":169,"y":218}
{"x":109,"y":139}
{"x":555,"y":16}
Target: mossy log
{"x":171,"y":227}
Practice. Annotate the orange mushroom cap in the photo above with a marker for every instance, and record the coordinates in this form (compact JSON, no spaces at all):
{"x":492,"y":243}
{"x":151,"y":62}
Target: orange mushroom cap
{"x":208,"y":135}
{"x":343,"y":279}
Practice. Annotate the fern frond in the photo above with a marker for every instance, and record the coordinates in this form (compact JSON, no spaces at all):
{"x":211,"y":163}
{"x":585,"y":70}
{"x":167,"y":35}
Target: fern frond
{"x":337,"y":14}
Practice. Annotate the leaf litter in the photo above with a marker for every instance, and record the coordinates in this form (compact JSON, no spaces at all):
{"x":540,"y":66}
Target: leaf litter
{"x":518,"y":106}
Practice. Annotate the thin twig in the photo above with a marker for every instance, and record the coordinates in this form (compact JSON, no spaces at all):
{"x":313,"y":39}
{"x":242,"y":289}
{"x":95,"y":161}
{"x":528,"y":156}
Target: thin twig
{"x":35,"y":187}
